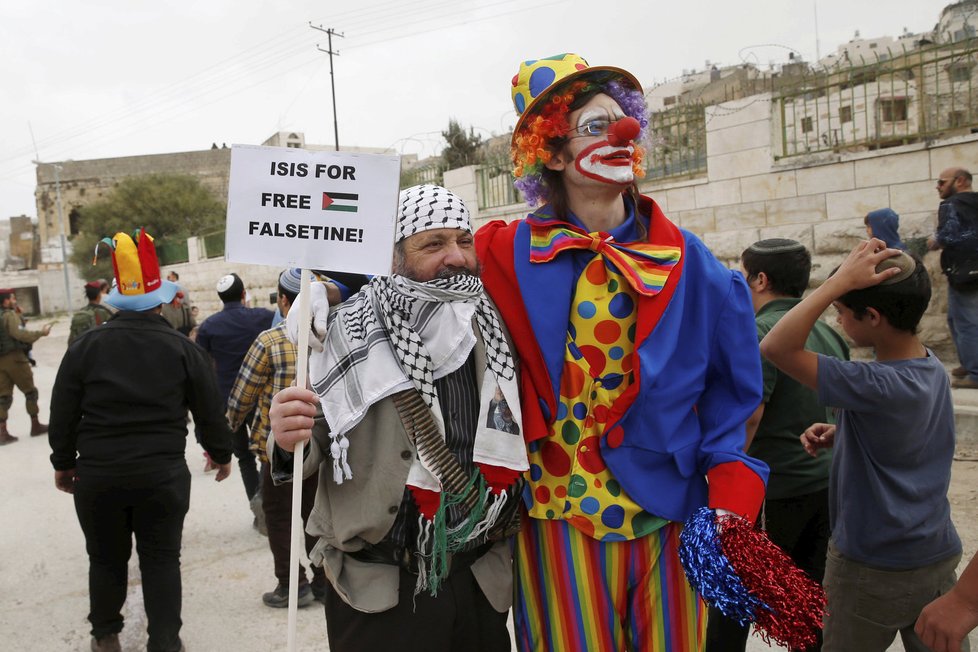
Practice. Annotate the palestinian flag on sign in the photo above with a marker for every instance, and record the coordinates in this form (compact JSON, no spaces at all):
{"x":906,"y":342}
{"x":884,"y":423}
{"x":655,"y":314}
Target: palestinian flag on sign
{"x":340,"y":201}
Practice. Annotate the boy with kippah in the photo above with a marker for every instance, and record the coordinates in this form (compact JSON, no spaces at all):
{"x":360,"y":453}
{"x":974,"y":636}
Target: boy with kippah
{"x":893,"y":547}
{"x":796,"y":506}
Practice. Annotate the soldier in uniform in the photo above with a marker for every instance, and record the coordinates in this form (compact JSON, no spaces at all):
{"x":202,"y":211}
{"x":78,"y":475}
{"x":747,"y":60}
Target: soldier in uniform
{"x":92,"y":315}
{"x":15,"y":368}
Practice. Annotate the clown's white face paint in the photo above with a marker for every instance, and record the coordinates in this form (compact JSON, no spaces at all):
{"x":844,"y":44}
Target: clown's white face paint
{"x":601,"y":160}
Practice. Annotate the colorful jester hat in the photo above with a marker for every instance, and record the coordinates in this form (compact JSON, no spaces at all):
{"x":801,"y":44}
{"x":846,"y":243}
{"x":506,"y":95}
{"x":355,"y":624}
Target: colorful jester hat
{"x":138,"y":285}
{"x":542,"y":91}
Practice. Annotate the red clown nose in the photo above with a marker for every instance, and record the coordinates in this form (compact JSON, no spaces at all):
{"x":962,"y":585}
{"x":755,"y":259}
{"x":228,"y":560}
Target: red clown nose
{"x":623,"y":131}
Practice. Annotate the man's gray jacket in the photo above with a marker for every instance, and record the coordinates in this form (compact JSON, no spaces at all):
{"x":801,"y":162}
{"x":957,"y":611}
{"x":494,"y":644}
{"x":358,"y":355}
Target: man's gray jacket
{"x":361,"y":511}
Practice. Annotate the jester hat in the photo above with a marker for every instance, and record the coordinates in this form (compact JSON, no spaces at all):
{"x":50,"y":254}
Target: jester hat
{"x":138,"y":285}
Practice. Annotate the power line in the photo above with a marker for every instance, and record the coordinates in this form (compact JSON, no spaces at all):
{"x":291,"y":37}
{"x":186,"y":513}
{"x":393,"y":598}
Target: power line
{"x":464,"y":11}
{"x":198,"y":83}
{"x":171,"y":112}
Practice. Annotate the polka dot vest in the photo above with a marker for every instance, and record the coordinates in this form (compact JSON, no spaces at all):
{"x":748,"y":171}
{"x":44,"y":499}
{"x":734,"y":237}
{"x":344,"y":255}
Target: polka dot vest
{"x":568,"y":478}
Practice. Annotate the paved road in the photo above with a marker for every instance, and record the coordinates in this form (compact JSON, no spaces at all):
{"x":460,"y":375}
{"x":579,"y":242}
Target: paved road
{"x":226,"y":564}
{"x":44,"y":569}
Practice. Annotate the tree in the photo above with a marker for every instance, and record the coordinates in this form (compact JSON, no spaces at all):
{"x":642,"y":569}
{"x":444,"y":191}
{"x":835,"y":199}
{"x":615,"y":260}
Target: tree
{"x":462,"y":148}
{"x":171,"y":207}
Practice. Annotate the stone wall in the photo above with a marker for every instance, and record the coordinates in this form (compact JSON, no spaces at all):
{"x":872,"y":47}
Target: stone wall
{"x":819,"y":200}
{"x":199,"y":277}
{"x":748,"y":194}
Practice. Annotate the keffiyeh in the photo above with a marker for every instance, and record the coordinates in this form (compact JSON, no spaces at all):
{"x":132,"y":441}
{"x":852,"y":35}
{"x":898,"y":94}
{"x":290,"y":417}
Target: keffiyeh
{"x":398,"y":334}
{"x":426,"y":207}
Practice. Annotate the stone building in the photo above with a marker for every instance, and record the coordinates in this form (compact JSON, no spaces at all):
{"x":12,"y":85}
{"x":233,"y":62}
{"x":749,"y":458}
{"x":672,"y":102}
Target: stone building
{"x":85,"y":181}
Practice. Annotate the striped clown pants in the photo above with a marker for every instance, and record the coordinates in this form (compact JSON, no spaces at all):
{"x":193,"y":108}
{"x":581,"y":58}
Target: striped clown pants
{"x":577,"y":594}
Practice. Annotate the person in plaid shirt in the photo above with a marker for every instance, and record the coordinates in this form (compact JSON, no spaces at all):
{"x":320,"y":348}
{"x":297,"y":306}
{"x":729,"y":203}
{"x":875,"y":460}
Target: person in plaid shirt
{"x":268,"y":367}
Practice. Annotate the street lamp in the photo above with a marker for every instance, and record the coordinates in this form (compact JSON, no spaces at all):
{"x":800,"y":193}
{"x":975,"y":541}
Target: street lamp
{"x":61,"y":231}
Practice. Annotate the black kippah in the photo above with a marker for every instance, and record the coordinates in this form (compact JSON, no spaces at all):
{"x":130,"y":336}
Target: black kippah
{"x":776,"y":246}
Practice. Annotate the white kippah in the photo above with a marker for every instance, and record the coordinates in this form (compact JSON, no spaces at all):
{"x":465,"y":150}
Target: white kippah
{"x":225,"y":283}
{"x":427,"y":207}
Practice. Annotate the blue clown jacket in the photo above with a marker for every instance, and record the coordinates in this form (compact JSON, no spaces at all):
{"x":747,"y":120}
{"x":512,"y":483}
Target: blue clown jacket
{"x":675,"y":438}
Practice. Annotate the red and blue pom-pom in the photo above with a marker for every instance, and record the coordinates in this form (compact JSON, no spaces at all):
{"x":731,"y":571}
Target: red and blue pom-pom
{"x":738,"y":570}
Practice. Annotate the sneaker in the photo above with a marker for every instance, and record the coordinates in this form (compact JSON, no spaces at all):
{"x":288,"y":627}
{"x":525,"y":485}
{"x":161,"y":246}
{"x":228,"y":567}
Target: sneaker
{"x":108,"y":643}
{"x":959,"y":372}
{"x":964,"y":383}
{"x":279,"y":598}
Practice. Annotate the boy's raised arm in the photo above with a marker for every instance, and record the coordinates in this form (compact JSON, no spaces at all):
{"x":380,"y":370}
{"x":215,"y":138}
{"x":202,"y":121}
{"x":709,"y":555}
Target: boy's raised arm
{"x":784,"y":345}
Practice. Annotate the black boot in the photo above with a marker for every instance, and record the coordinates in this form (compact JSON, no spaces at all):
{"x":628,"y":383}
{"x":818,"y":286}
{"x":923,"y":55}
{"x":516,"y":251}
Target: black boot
{"x":38,"y":428}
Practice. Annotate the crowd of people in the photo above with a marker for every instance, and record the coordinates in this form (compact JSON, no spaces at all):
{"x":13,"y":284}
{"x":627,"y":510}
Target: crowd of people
{"x":522,"y":418}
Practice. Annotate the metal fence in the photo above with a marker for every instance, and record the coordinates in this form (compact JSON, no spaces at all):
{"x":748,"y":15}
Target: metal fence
{"x":213,"y":244}
{"x":172,"y":252}
{"x":894,"y":99}
{"x":678,"y":142}
{"x":424,"y":174}
{"x":495,"y":184}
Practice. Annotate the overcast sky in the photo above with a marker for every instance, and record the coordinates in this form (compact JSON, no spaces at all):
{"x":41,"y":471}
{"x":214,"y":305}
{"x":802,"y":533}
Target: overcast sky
{"x":109,"y":78}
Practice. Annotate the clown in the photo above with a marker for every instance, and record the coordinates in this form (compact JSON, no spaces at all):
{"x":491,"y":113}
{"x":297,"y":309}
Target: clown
{"x":640,"y":368}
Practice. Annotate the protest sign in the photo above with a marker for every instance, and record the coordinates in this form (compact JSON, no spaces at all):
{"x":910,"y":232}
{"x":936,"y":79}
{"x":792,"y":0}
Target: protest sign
{"x":300,"y":208}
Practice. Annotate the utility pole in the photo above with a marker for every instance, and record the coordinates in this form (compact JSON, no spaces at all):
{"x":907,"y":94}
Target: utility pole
{"x":61,"y":230}
{"x":818,"y":48}
{"x":330,"y":32}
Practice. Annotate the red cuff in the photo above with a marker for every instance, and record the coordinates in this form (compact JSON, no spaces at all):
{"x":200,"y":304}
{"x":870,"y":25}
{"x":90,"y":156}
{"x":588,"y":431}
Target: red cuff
{"x":735,"y":487}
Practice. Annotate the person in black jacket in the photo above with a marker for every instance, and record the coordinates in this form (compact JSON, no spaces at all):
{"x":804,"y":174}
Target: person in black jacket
{"x":118,"y":431}
{"x":957,"y":236}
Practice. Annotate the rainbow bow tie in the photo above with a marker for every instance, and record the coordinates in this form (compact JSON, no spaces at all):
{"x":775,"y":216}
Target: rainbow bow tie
{"x":645,"y":266}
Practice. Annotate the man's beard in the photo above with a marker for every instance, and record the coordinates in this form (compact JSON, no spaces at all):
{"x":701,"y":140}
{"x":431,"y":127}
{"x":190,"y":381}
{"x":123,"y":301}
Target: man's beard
{"x":402,"y":268}
{"x":452,"y":271}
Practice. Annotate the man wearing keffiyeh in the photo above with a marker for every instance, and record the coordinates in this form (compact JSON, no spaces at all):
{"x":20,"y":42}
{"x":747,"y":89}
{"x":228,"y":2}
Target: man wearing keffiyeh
{"x":418,"y":488}
{"x":639,"y":366}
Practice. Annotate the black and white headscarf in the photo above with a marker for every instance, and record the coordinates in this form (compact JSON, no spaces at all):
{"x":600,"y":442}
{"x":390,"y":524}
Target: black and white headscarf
{"x":426,"y":207}
{"x":397,"y":333}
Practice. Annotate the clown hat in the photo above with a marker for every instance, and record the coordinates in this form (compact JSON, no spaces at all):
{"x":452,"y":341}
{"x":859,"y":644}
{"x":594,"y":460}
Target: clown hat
{"x":138,"y":285}
{"x":539,"y":79}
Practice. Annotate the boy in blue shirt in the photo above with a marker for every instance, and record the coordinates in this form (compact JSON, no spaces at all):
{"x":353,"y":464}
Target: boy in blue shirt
{"x":893,"y":547}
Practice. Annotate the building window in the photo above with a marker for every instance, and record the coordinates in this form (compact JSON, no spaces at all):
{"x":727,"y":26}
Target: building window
{"x":893,"y":109}
{"x":669,"y":101}
{"x":74,"y":221}
{"x":806,"y":125}
{"x":957,"y":119}
{"x":845,"y":113}
{"x":960,"y":72}
{"x":967,"y":31}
